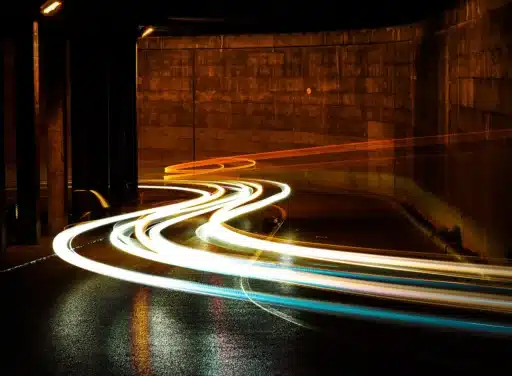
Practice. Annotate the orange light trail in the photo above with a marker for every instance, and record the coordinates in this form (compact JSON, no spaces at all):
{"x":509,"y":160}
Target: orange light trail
{"x":375,"y":145}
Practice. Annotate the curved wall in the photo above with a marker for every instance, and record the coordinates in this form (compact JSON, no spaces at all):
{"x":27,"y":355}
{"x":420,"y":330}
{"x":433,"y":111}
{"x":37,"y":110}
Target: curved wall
{"x":255,"y":93}
{"x":464,"y":84}
{"x":228,"y":95}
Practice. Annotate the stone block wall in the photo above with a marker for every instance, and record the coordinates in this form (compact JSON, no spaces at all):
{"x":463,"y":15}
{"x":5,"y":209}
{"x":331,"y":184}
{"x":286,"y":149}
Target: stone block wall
{"x":201,"y":97}
{"x":254,"y":93}
{"x":464,"y":84}
{"x":478,"y":38}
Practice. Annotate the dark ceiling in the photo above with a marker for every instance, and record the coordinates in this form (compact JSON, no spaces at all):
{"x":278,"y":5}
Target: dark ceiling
{"x":201,"y":16}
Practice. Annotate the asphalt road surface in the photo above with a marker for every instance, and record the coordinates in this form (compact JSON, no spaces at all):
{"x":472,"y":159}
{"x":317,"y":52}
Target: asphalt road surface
{"x":58,"y":319}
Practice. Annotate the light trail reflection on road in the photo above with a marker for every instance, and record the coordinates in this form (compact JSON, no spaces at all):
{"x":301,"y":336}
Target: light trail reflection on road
{"x":141,"y":332}
{"x":81,"y":308}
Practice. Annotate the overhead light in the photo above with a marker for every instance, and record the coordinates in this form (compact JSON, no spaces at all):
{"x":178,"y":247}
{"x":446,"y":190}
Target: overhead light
{"x":147,"y":31}
{"x":50,"y":7}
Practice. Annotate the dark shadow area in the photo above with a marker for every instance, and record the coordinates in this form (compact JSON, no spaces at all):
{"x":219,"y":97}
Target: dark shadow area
{"x":452,"y":97}
{"x":3,"y":210}
{"x":428,"y":172}
{"x":205,"y":17}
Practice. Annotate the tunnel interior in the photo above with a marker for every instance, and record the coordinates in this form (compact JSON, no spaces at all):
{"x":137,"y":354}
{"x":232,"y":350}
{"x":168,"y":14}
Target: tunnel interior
{"x":221,"y":81}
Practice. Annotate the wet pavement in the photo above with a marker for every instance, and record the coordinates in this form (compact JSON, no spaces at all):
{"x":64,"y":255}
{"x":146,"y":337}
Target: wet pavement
{"x":61,"y":320}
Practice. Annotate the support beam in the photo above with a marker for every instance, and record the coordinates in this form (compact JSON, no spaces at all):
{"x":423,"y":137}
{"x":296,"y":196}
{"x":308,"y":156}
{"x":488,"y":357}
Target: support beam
{"x":429,"y":164}
{"x":27,"y":148}
{"x":3,"y":214}
{"x":123,"y":120}
{"x":53,"y":120}
{"x":89,"y":113}
{"x":103,"y":114}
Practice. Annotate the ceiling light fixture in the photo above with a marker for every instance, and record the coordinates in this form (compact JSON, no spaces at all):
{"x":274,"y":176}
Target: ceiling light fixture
{"x":147,"y":31}
{"x":50,"y":7}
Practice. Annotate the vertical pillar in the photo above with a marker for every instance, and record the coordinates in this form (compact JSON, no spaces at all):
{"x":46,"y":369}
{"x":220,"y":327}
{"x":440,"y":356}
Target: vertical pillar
{"x":53,"y":111}
{"x":428,"y":170}
{"x":103,"y":113}
{"x":3,"y":234}
{"x":123,"y":119}
{"x":89,"y":115}
{"x":27,"y":152}
{"x":193,"y":85}
{"x":9,"y":133}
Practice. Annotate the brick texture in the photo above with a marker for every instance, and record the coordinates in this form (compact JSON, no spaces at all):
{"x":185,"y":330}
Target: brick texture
{"x":254,"y":93}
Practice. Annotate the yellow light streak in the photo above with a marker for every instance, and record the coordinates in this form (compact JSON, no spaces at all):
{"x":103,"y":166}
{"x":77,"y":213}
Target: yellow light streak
{"x":103,"y":202}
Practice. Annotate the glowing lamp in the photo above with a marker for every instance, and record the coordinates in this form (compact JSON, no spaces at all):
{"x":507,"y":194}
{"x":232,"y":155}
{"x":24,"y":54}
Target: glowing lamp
{"x":147,"y":31}
{"x":51,"y":7}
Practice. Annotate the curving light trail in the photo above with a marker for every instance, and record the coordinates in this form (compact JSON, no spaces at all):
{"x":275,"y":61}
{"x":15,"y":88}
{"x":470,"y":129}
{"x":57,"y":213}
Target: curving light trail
{"x":230,"y":199}
{"x":166,"y":251}
{"x":195,"y":168}
{"x":215,"y":230}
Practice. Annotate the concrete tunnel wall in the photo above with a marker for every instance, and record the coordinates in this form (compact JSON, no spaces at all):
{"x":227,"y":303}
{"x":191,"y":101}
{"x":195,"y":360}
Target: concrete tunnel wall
{"x":464,"y":84}
{"x":249,"y":93}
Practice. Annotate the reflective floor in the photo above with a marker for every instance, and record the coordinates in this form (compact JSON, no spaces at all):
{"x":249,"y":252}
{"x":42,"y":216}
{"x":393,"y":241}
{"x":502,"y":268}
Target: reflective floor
{"x":60,"y":320}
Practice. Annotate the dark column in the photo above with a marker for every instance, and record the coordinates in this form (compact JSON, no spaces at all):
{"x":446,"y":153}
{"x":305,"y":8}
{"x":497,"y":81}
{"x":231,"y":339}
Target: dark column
{"x":123,"y":119}
{"x":52,"y":119}
{"x":429,"y":164}
{"x":89,"y":114}
{"x":27,"y":152}
{"x":103,"y":113}
{"x":3,"y":235}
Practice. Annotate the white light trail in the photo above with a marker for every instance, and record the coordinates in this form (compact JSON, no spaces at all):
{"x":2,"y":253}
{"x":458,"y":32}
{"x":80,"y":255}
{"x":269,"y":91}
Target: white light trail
{"x":214,"y":230}
{"x":172,"y":253}
{"x":243,"y":198}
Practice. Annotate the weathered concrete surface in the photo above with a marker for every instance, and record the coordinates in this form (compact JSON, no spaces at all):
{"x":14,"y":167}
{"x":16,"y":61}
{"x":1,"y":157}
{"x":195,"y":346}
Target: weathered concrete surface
{"x":464,"y":84}
{"x":254,"y":93}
